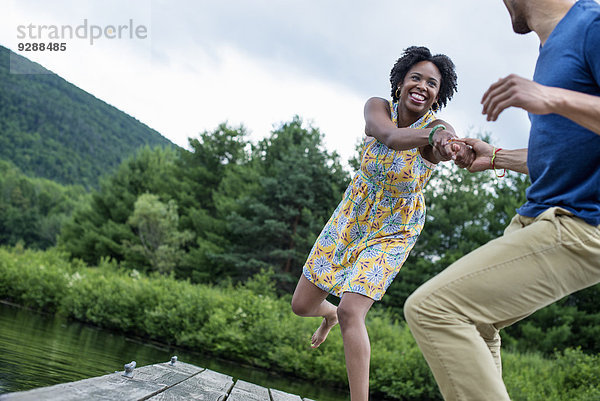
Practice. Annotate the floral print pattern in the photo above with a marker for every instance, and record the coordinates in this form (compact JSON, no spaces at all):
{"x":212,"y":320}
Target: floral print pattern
{"x":370,"y":234}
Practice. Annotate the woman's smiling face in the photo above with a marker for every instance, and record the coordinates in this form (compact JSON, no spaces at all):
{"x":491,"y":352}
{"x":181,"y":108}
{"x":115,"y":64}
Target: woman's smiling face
{"x":420,"y":88}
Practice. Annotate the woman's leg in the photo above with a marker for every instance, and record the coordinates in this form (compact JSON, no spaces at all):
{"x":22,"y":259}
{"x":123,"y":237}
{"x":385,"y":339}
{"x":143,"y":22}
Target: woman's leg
{"x":309,"y":300}
{"x":352,"y":311}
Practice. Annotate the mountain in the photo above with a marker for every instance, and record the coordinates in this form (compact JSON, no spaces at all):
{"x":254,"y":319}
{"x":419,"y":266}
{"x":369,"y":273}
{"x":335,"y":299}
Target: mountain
{"x":52,"y":129}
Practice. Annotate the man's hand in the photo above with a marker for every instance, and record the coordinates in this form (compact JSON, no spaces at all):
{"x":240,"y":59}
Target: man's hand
{"x":483,"y":152}
{"x":464,"y":155}
{"x":515,"y":91}
{"x":446,"y":146}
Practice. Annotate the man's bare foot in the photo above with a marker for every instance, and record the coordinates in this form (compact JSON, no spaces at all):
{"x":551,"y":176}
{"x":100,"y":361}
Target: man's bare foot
{"x":323,"y":330}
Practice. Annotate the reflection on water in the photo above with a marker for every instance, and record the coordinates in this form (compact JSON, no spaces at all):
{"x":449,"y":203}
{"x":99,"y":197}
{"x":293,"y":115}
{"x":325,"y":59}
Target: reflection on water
{"x":38,"y":350}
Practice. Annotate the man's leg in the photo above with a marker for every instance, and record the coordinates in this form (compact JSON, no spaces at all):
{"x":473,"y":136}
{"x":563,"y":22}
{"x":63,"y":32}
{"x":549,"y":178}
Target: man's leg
{"x":455,"y":316}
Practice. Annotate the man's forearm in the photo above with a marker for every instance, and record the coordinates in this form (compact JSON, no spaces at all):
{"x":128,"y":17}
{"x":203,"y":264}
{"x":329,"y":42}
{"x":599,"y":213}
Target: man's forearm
{"x":578,"y":107}
{"x":515,"y":160}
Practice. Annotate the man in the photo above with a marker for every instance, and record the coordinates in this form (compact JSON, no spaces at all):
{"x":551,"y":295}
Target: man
{"x":552,"y":246}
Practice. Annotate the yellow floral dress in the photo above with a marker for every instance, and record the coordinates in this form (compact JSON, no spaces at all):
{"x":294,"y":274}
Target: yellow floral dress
{"x":370,"y":234}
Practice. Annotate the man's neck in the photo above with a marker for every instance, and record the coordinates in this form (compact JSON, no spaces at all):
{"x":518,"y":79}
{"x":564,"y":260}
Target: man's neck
{"x":545,"y":15}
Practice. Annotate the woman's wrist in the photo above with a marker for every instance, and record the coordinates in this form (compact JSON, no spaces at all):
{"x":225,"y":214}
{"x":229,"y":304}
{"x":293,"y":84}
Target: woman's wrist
{"x":433,"y":131}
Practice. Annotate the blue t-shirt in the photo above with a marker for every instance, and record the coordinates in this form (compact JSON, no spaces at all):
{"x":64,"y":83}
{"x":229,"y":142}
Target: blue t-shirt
{"x":564,"y":157}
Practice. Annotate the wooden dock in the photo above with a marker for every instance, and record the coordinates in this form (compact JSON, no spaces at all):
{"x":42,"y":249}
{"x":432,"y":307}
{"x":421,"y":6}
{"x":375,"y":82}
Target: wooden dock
{"x":159,"y":382}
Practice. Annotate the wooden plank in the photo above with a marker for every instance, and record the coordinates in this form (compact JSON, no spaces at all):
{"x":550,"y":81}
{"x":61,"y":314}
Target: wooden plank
{"x":244,"y":391}
{"x":165,"y":373}
{"x":179,"y":367}
{"x":216,"y":380}
{"x":278,"y":395}
{"x":97,"y":388}
{"x":146,"y":381}
{"x":206,"y":386}
{"x":159,"y":382}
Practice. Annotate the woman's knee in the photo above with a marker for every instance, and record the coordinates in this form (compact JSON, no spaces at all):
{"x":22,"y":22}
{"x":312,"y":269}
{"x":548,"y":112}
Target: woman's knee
{"x":299,"y":306}
{"x":345,"y":314}
{"x":306,"y":298}
{"x":353,"y":310}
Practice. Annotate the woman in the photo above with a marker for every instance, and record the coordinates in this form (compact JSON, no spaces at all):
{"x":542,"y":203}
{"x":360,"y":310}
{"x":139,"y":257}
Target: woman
{"x":373,"y":229}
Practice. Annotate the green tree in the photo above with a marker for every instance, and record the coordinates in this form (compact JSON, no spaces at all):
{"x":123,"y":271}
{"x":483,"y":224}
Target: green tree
{"x":354,"y":161}
{"x":201,"y":172}
{"x":160,"y":241}
{"x":273,"y":220}
{"x":32,"y":210}
{"x":204,"y":166}
{"x":98,"y":229}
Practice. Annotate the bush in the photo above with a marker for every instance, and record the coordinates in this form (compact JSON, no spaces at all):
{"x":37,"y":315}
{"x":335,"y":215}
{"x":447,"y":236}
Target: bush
{"x":245,"y":323}
{"x":34,"y":279}
{"x":572,"y":375}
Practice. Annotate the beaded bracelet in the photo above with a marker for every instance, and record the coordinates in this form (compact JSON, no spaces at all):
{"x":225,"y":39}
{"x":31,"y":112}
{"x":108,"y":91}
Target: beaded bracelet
{"x":496,"y":150}
{"x":437,"y":127}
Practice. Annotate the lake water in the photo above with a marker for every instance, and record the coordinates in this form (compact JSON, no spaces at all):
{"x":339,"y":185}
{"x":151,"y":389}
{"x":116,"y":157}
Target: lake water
{"x":39,"y":350}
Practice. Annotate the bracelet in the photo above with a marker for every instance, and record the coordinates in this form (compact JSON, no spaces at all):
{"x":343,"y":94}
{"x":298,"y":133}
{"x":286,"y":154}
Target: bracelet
{"x":496,"y":150}
{"x":437,"y":127}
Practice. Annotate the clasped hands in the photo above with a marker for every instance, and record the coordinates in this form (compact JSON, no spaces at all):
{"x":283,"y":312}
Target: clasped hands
{"x":470,"y":153}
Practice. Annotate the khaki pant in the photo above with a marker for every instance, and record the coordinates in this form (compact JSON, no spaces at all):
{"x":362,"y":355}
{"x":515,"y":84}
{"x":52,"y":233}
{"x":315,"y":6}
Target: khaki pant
{"x":455,"y":317}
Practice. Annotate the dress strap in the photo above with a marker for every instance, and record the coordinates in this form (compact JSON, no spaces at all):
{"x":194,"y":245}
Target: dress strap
{"x":422,"y":122}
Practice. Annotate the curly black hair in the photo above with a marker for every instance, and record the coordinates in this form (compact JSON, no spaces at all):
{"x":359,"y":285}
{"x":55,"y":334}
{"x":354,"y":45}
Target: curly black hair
{"x":415,"y":54}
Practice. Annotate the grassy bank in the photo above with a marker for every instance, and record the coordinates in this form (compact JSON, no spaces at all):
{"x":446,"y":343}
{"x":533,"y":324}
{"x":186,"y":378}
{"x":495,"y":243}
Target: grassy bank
{"x":248,"y":324}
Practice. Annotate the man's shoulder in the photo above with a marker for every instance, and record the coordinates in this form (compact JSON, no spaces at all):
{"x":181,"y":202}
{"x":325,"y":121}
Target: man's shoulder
{"x":589,"y":4}
{"x":588,"y":9}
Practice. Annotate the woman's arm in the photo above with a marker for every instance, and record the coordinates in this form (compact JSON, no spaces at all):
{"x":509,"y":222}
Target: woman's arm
{"x":379,"y":125}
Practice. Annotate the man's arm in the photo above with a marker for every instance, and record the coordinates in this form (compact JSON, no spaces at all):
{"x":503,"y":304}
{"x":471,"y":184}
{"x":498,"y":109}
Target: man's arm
{"x":515,"y":91}
{"x":515,"y":160}
{"x":579,"y":107}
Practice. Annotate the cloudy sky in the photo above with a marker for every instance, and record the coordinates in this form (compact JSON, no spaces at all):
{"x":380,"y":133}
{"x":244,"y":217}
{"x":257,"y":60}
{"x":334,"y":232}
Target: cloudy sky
{"x":193,"y":64}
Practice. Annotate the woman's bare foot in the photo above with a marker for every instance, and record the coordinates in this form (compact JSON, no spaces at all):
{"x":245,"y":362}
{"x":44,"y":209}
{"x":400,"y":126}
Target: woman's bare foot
{"x":323,"y":330}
